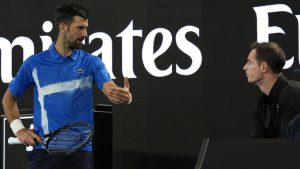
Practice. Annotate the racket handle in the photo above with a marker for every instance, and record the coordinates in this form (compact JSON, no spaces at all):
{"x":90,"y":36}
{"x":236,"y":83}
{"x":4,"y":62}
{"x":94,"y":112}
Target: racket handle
{"x":13,"y":140}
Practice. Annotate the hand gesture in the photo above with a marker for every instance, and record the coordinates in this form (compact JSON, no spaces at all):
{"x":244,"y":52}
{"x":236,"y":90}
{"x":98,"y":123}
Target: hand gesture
{"x":120,"y":95}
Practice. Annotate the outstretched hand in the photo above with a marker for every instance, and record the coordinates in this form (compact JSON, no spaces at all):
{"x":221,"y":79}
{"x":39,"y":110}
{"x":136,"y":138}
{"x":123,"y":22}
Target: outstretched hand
{"x":120,"y":95}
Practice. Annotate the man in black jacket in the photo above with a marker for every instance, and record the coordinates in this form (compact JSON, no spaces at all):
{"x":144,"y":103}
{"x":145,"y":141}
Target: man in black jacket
{"x":278,"y":106}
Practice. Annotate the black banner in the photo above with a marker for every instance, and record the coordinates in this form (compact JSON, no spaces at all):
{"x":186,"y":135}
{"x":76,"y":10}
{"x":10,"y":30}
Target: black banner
{"x":184,"y":61}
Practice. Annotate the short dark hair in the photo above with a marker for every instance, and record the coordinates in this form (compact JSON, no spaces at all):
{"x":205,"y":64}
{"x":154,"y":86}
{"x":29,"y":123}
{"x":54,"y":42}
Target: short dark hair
{"x":271,"y":53}
{"x":65,"y":13}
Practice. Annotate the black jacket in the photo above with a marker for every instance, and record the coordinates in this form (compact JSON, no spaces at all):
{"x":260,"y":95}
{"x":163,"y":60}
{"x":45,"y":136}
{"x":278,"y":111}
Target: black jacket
{"x":276,"y":115}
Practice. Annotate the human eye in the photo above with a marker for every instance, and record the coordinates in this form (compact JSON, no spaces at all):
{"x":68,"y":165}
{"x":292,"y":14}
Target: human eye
{"x":249,"y":61}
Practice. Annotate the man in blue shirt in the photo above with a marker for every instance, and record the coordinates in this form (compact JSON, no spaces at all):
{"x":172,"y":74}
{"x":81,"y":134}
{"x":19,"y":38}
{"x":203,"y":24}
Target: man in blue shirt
{"x":62,"y":77}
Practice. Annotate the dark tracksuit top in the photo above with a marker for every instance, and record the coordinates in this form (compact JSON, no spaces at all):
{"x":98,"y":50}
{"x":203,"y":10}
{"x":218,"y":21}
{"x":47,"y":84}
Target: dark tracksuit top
{"x":278,"y":115}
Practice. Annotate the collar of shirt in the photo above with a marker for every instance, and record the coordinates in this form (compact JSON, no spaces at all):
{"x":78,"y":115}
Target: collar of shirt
{"x":58,"y":58}
{"x":276,"y":89}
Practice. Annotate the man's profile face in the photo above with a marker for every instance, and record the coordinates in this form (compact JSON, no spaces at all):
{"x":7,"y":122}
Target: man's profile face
{"x":76,"y":32}
{"x":253,"y":69}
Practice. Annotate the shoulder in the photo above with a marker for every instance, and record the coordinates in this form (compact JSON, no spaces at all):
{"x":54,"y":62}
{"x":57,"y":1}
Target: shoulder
{"x":293,"y":87}
{"x":290,"y":91}
{"x":35,"y":59}
{"x":92,"y":59}
{"x":294,"y":84}
{"x":38,"y":56}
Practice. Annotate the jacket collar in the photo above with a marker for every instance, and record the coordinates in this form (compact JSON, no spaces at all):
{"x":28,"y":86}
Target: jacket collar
{"x":276,"y":89}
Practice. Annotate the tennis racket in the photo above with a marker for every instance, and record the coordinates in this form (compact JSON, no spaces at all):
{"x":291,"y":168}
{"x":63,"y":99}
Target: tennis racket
{"x":66,"y":140}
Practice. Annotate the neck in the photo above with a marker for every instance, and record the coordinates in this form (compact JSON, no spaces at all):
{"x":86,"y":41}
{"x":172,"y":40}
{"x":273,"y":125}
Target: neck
{"x":62,"y":47}
{"x":267,"y":83}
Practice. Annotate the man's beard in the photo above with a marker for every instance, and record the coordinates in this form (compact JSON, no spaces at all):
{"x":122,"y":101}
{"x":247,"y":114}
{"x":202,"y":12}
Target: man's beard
{"x":75,"y":45}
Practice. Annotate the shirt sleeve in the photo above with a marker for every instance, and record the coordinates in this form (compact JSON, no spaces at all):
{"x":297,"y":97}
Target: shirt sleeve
{"x":22,"y":80}
{"x":258,"y":129}
{"x":101,"y":75}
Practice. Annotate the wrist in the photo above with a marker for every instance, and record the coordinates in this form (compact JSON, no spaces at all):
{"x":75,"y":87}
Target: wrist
{"x":16,"y":125}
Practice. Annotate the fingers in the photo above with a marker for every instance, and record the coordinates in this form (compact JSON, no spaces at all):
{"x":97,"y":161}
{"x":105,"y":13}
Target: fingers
{"x":119,"y":95}
{"x":126,"y":83}
{"x":36,"y":137}
{"x":28,"y":137}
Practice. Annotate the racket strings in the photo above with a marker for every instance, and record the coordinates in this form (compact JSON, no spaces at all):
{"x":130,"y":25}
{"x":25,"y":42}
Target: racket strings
{"x":69,"y":139}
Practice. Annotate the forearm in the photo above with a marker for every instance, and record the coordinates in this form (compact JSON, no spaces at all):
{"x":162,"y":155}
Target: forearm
{"x":258,"y":129}
{"x":11,"y":111}
{"x":10,"y":107}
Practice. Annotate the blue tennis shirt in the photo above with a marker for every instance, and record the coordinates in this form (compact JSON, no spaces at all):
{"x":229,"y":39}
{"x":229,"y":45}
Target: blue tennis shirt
{"x":62,"y":87}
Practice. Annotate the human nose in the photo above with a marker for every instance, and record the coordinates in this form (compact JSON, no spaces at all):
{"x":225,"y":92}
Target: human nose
{"x":85,"y":32}
{"x":244,"y":68}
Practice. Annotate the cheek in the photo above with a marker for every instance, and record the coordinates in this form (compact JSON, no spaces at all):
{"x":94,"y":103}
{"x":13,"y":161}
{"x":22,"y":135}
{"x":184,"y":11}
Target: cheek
{"x":72,"y":33}
{"x":256,"y":73}
{"x":253,"y":70}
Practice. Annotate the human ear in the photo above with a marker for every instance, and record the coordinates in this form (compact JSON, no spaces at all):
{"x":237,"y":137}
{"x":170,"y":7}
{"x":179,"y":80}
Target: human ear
{"x":62,"y":27}
{"x":264,"y":66}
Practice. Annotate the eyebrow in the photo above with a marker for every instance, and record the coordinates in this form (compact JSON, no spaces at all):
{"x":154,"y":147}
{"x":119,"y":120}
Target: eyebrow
{"x":82,"y":26}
